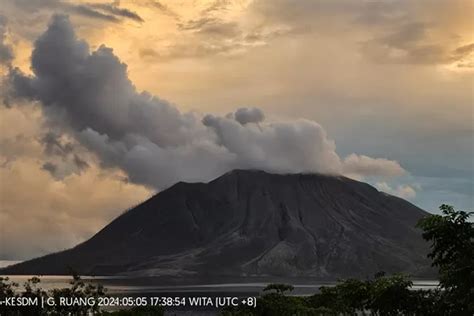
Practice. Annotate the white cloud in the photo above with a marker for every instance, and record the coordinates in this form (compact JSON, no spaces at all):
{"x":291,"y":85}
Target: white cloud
{"x":360,"y":165}
{"x":403,"y":191}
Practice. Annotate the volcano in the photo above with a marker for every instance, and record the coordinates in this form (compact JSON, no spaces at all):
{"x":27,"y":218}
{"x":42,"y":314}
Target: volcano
{"x":252,"y":223}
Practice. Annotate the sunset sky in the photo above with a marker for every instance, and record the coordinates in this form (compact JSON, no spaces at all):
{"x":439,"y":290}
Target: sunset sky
{"x":105,"y":103}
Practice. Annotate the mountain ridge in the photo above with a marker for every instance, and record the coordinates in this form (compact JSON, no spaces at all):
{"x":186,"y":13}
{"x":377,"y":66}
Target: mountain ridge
{"x":253,"y":223}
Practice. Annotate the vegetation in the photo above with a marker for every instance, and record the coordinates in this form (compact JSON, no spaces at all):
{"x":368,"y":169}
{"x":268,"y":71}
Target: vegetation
{"x":383,"y":295}
{"x":452,"y":238}
{"x":452,"y":250}
{"x":29,"y":301}
{"x":78,"y":290}
{"x":279,"y":288}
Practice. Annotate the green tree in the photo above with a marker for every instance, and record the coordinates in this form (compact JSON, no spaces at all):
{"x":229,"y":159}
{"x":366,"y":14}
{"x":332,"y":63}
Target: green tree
{"x":279,"y":288}
{"x":31,"y":289}
{"x":346,"y":298}
{"x":383,"y":295}
{"x":452,"y":251}
{"x":390,"y":295}
{"x":276,"y":303}
{"x":78,"y":289}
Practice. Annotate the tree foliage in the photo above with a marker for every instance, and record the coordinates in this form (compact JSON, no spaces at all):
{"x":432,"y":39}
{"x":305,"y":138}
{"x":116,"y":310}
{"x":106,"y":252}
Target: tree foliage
{"x":279,"y":288}
{"x":452,"y":251}
{"x":382,"y":295}
{"x":77,"y":289}
{"x":31,"y":289}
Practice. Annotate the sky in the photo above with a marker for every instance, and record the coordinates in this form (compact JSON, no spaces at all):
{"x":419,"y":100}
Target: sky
{"x":105,"y":103}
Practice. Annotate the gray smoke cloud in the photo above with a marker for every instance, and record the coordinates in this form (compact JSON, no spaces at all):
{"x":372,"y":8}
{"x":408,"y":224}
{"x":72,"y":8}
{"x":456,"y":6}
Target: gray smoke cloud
{"x":63,"y":156}
{"x":6,"y":53}
{"x":249,"y":115}
{"x":89,"y":96}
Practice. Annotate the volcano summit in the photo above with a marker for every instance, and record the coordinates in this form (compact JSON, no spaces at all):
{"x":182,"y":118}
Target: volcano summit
{"x":252,"y":223}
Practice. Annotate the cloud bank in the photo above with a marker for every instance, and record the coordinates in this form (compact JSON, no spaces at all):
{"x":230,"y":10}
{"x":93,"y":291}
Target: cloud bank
{"x":88,"y":95}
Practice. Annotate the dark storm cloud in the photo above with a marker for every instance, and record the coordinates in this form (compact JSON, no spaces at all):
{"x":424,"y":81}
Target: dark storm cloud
{"x":116,"y":11}
{"x":101,"y":11}
{"x":91,"y":13}
{"x":88,"y":94}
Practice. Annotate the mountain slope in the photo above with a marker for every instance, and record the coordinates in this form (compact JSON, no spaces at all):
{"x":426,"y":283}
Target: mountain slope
{"x":252,"y":223}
